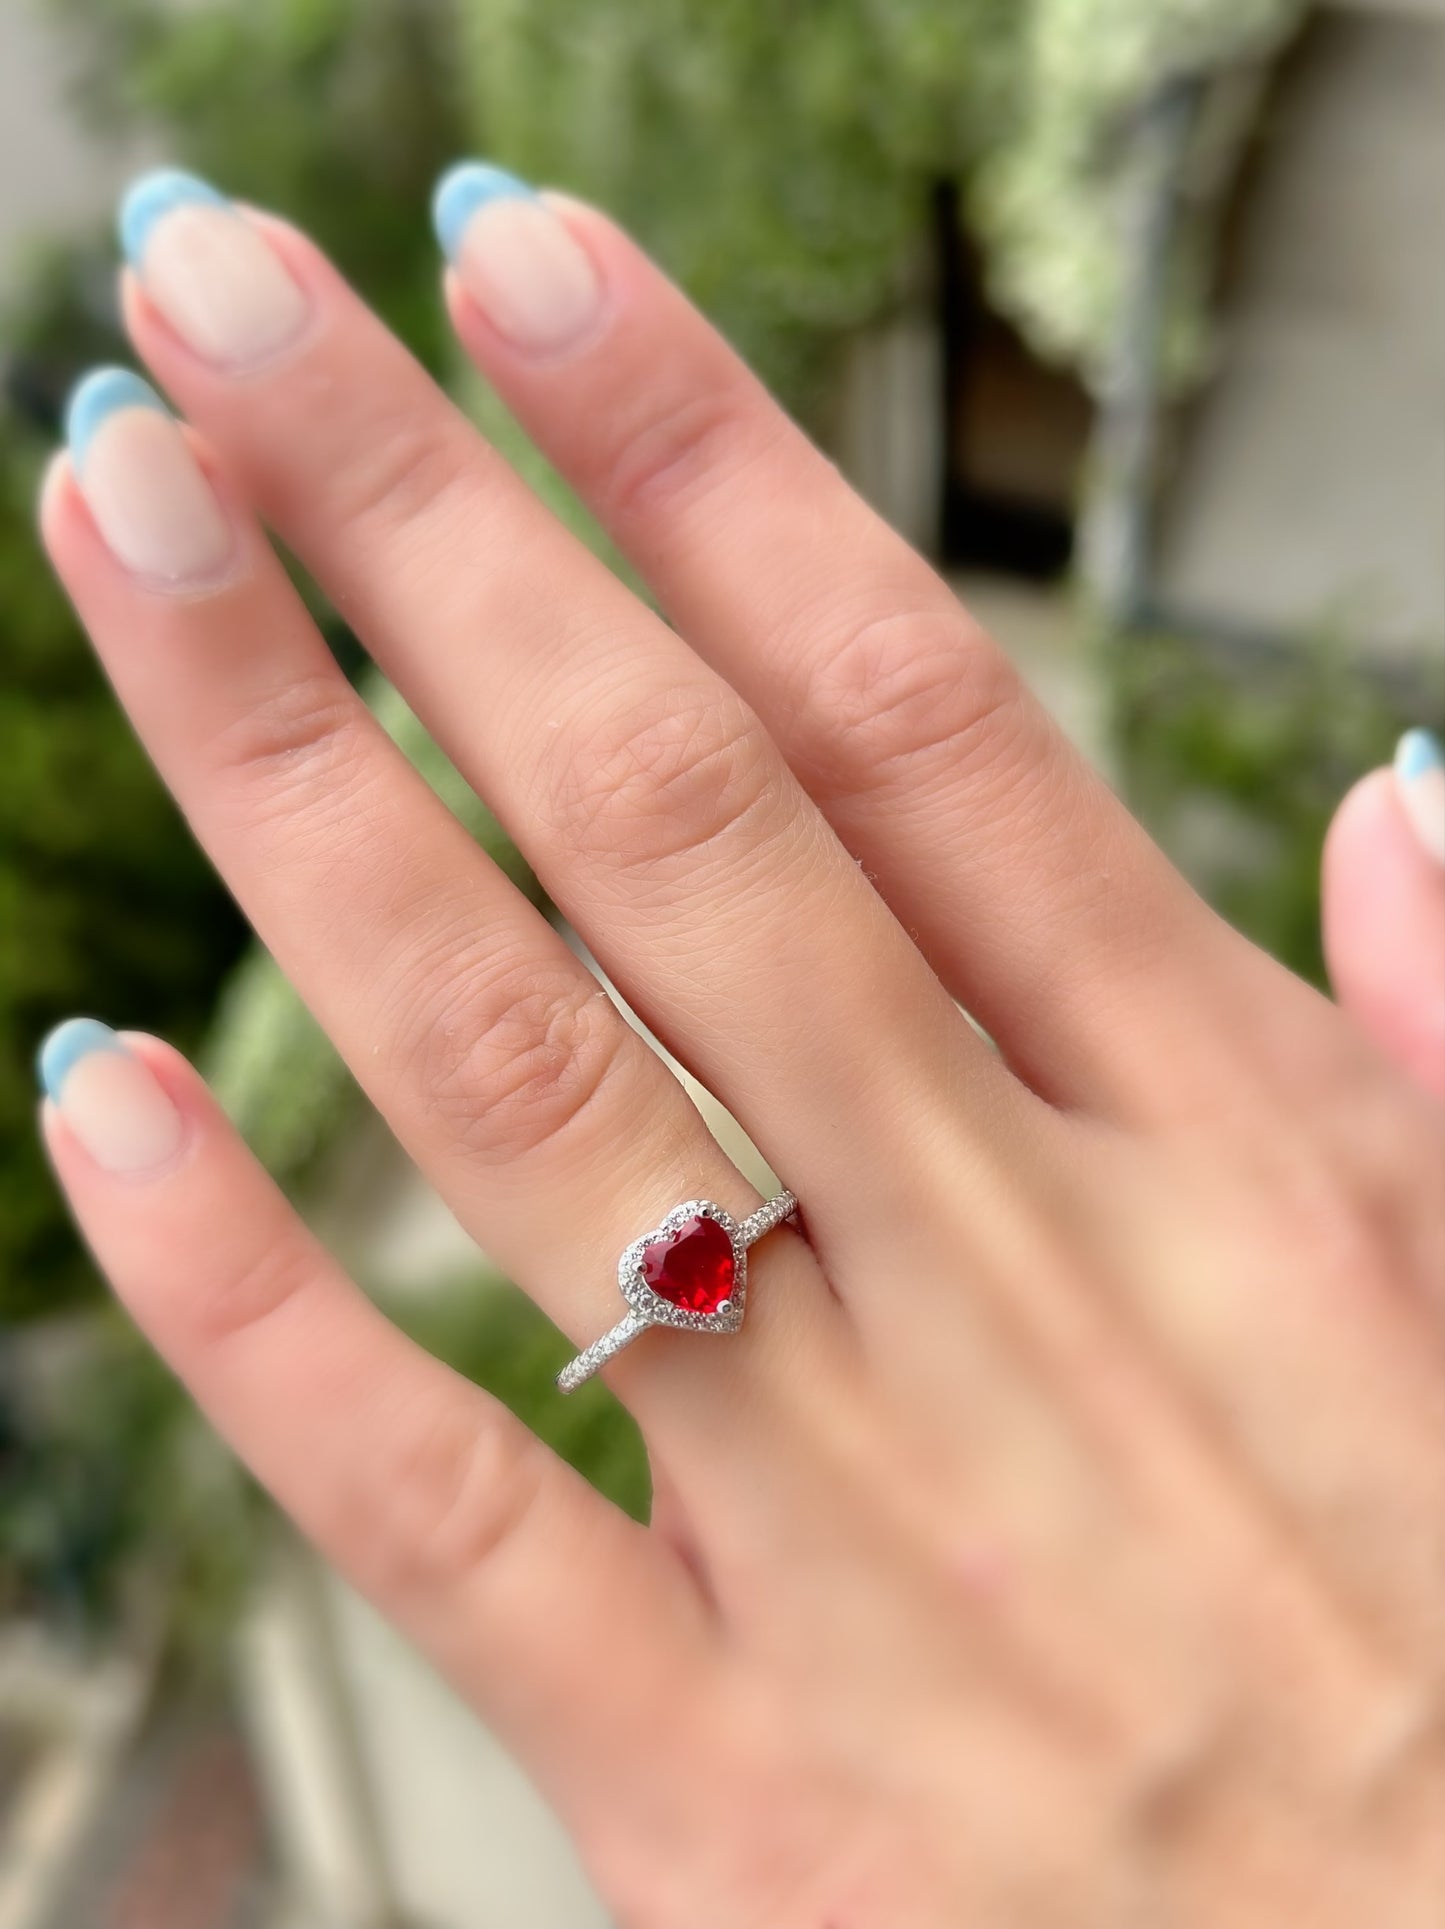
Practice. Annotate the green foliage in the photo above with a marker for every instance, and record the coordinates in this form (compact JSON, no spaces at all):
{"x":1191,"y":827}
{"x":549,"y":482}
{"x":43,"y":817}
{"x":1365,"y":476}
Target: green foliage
{"x":336,"y":113}
{"x":1237,"y":764}
{"x":1047,"y":197}
{"x":778,"y":159}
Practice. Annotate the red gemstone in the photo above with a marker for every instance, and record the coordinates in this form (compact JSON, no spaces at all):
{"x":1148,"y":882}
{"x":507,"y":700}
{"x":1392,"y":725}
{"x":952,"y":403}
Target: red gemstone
{"x":692,"y":1267}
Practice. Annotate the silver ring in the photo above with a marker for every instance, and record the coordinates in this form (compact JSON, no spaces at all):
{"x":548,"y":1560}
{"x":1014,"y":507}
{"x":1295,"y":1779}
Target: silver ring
{"x":690,"y":1271}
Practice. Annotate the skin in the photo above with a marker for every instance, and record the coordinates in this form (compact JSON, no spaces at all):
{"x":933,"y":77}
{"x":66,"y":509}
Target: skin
{"x":1062,"y":1541}
{"x":1384,"y":918}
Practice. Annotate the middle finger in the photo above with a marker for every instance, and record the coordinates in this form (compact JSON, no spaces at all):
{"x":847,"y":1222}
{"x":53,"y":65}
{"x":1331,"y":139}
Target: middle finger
{"x":659,"y":813}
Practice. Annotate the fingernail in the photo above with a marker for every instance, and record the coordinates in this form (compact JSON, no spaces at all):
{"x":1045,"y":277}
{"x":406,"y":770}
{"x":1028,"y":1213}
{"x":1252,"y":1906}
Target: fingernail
{"x":108,"y":1097}
{"x":148,"y":494}
{"x":516,"y":257}
{"x":210,"y":271}
{"x":1420,"y":777}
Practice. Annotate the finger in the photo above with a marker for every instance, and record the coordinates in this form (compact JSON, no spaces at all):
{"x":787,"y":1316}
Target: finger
{"x":502,"y":1067}
{"x":1040,"y":900}
{"x":1384,"y":909}
{"x":445,"y":1510}
{"x":647,"y":796}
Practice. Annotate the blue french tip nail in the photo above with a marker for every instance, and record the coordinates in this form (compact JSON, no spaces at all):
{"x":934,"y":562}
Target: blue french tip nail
{"x":1418,"y":752}
{"x":461,"y":191}
{"x":98,"y":395}
{"x":153,"y":195}
{"x":77,"y":1038}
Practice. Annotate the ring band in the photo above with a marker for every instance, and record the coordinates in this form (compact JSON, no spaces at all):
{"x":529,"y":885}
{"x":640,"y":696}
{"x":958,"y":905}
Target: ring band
{"x":690,"y":1271}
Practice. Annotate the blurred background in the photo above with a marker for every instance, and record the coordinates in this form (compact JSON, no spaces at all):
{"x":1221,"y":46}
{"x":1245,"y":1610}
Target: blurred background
{"x":1129,"y":312}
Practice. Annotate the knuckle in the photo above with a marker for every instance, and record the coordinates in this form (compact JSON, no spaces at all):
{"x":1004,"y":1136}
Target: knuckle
{"x":678,"y":452}
{"x":298,"y":746}
{"x":270,"y":1277}
{"x":516,"y":1057}
{"x":1326,"y":1218}
{"x":902,"y":689}
{"x":671,"y":781}
{"x":407,"y":469}
{"x":461,"y":1488}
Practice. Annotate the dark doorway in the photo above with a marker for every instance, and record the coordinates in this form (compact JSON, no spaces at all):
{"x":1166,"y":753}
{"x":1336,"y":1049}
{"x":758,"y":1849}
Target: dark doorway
{"x":1017,"y":429}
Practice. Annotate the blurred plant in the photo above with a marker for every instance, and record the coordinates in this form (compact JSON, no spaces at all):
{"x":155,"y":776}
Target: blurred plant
{"x":337,"y":112}
{"x":1047,"y":197}
{"x":1237,"y":763}
{"x":778,"y":160}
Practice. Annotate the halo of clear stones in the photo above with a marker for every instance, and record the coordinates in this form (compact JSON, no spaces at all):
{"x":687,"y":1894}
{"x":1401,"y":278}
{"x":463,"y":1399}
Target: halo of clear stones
{"x":646,"y":1308}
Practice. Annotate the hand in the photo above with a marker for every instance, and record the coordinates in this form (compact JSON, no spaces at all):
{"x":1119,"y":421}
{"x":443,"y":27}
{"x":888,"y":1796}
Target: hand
{"x":1062,"y":1541}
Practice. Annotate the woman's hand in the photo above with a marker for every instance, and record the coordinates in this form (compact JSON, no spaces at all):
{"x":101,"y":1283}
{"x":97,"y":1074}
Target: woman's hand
{"x":1062,"y":1541}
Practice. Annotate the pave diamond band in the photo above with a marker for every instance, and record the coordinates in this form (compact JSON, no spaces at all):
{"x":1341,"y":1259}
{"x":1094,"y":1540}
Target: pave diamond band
{"x":690,"y":1271}
{"x":593,"y":1358}
{"x":766,"y":1217}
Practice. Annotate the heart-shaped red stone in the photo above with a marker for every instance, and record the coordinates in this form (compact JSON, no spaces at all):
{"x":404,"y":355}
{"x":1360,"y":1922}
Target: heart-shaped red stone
{"x":694,"y":1267}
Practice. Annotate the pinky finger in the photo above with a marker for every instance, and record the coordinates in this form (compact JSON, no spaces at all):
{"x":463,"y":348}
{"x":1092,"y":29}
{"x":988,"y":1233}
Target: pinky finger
{"x":496,"y":1558}
{"x":1384,"y":908}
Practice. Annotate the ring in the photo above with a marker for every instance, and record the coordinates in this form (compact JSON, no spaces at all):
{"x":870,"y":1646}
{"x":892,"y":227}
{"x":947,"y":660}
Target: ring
{"x":690,"y":1271}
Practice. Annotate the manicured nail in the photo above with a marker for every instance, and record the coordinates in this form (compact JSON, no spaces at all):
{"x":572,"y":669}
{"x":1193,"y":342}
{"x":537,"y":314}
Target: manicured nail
{"x":108,"y":1097}
{"x":516,"y":257}
{"x":1420,"y":776}
{"x":148,"y":494}
{"x":210,"y":271}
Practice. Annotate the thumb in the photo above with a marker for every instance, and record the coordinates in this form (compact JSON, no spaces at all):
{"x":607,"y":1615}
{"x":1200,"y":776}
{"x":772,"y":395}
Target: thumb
{"x":1384,"y":907}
